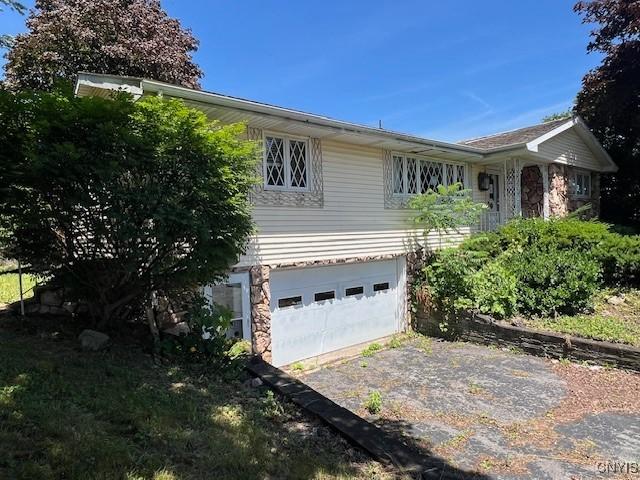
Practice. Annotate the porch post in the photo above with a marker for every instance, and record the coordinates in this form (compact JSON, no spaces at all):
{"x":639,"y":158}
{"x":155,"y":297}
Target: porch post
{"x":544,"y":169}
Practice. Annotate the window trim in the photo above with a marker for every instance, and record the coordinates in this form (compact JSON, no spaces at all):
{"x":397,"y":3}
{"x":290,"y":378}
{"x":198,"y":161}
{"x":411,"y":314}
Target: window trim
{"x":574,"y":179}
{"x":420,"y":159}
{"x":287,"y":187}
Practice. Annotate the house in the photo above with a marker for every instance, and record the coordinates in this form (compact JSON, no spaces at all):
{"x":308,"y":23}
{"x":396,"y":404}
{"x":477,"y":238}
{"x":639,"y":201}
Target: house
{"x":334,"y":252}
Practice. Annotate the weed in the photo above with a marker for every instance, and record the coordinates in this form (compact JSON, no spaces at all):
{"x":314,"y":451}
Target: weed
{"x":475,"y":389}
{"x":271,"y":406}
{"x":364,"y":364}
{"x":297,"y":367}
{"x":371,"y":349}
{"x":395,"y":342}
{"x":374,"y":402}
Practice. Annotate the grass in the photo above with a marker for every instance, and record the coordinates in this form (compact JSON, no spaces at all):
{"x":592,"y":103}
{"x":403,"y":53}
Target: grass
{"x":613,"y":323}
{"x":116,"y":414}
{"x":10,"y":287}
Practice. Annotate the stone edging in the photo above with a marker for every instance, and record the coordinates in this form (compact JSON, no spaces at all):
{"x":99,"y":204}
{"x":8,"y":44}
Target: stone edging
{"x":484,"y":329}
{"x":365,"y":435}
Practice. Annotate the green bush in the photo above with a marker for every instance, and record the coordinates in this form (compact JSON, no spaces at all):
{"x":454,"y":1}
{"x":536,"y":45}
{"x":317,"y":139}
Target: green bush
{"x":447,"y":277}
{"x":551,"y":282}
{"x":206,"y":341}
{"x":533,"y":267}
{"x":494,"y":290}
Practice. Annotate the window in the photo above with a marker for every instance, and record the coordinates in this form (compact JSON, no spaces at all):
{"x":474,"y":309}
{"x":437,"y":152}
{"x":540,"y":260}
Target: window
{"x":380,"y":287}
{"x":350,"y":292}
{"x":582,"y":184}
{"x":322,"y":296}
{"x":286,"y":163}
{"x":289,"y":302}
{"x":412,"y":175}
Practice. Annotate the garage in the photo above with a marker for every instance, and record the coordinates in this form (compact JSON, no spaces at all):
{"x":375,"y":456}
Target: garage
{"x":318,"y":310}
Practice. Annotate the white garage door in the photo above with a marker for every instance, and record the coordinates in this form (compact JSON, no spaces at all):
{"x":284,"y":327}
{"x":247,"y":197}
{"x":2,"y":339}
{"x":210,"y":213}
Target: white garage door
{"x":322,"y":309}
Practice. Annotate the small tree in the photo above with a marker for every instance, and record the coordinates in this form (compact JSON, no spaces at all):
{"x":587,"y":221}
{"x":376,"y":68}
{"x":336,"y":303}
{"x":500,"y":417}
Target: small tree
{"x":444,"y":209}
{"x":122,"y":37}
{"x":117,"y":199}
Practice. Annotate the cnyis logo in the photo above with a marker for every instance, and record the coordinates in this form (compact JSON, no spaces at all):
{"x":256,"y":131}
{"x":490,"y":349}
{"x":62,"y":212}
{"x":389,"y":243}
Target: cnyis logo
{"x":629,"y":468}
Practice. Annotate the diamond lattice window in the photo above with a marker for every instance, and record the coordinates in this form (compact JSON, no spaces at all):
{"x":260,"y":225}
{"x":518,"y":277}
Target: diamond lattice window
{"x":298,"y":162}
{"x":286,"y":163}
{"x":398,"y":175}
{"x":275,"y":161}
{"x":460,"y":174}
{"x":430,"y":176}
{"x":411,"y":176}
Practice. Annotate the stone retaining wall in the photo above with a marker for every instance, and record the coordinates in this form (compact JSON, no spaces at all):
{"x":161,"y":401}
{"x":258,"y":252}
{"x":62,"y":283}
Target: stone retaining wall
{"x":485,"y":330}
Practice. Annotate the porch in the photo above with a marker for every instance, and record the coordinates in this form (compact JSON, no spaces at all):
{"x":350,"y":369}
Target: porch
{"x":514,"y":187}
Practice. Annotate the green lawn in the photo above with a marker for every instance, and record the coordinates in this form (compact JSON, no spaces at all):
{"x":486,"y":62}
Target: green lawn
{"x":117,"y":415}
{"x":10,"y":287}
{"x":614,"y":323}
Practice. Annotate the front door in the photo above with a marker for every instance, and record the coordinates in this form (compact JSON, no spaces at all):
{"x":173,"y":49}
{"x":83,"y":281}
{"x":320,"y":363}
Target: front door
{"x":494,"y":193}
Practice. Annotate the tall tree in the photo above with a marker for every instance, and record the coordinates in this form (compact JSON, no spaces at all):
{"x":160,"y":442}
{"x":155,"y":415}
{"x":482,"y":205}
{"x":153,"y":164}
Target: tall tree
{"x":610,"y":101}
{"x":123,"y":37}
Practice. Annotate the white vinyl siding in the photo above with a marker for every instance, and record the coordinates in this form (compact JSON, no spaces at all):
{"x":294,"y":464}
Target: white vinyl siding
{"x":569,"y":149}
{"x":352,"y":223}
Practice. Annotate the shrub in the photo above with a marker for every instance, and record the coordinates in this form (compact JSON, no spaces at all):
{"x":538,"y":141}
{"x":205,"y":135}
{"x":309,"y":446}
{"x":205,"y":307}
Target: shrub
{"x":551,"y":282}
{"x":115,"y":199}
{"x":207,"y":338}
{"x":447,"y":277}
{"x":374,"y":402}
{"x":494,"y":290}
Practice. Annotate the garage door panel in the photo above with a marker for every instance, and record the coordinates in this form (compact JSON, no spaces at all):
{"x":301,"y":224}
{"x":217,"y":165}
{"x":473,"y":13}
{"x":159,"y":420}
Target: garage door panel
{"x":318,"y":327}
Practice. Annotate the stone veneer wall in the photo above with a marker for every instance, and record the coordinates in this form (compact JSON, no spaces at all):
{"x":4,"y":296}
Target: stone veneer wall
{"x":487,"y":331}
{"x":260,"y":311}
{"x":561,"y":200}
{"x":532,"y":192}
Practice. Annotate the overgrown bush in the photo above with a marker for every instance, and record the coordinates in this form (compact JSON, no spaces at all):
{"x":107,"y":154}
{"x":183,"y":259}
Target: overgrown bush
{"x":494,"y":290}
{"x":553,"y":281}
{"x":532,"y":267}
{"x":115,"y":199}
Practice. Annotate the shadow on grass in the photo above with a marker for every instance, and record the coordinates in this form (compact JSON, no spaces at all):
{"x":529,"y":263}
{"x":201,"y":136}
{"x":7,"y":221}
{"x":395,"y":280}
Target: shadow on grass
{"x":115,"y":414}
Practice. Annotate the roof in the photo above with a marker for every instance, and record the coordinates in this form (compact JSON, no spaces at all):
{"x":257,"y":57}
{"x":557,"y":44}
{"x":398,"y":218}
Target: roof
{"x":523,"y":141}
{"x":514,"y":137}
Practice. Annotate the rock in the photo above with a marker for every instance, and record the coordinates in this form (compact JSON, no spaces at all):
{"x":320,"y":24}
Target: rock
{"x":615,"y":300}
{"x":93,"y":341}
{"x":69,"y":306}
{"x":52,"y":297}
{"x":253,"y":383}
{"x":178,"y":329}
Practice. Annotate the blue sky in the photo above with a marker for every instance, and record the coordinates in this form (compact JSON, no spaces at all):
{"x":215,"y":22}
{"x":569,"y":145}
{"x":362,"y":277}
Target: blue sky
{"x":444,"y":70}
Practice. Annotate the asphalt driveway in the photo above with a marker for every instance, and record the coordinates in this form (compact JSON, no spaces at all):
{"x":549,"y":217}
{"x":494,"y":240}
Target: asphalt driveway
{"x":505,"y":414}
